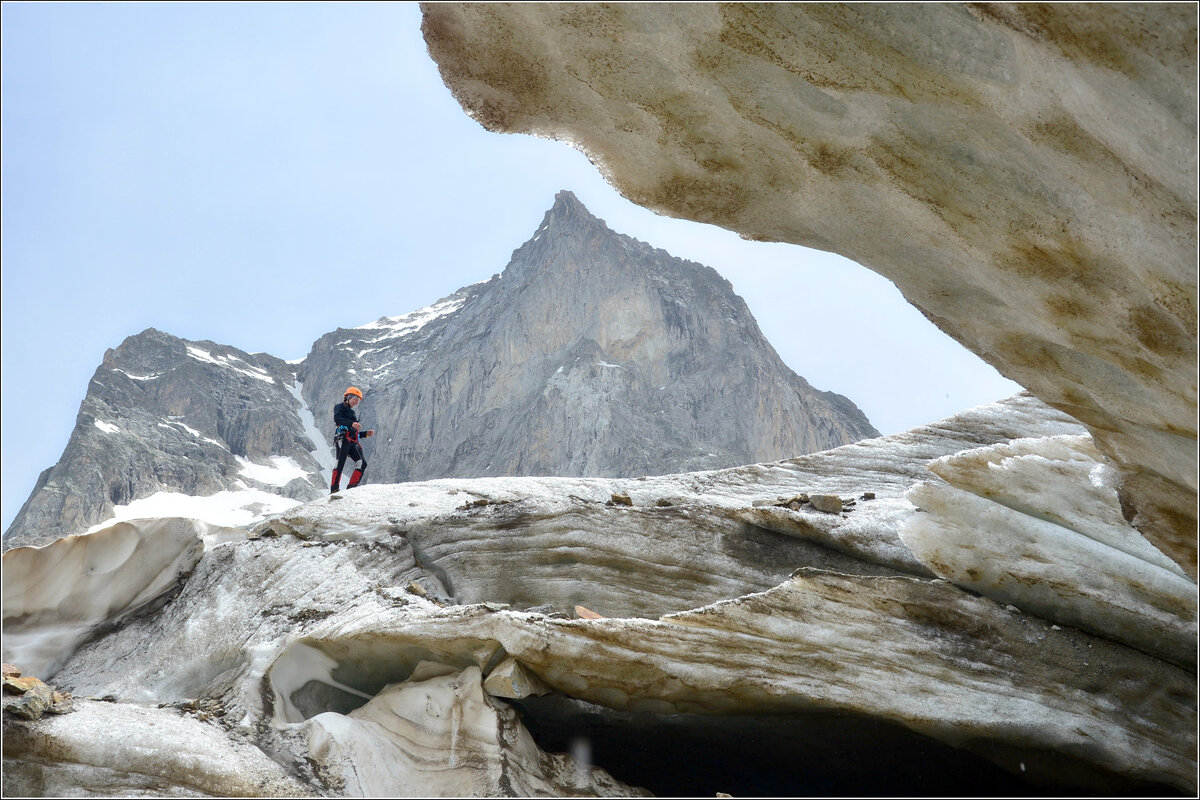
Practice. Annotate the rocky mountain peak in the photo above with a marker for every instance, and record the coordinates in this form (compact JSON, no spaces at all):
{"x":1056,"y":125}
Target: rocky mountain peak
{"x":168,"y":415}
{"x":569,"y":218}
{"x":572,"y":245}
{"x":566,"y":230}
{"x":593,"y":354}
{"x":568,"y":207}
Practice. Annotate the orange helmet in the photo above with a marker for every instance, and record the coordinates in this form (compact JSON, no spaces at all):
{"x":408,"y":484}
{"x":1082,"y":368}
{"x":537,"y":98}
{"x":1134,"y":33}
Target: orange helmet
{"x":352,"y":390}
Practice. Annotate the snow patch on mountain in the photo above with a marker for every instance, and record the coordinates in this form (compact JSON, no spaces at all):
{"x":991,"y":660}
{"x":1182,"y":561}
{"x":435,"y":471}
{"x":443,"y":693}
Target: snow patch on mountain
{"x":405,"y":324}
{"x":280,"y":472}
{"x":170,"y":424}
{"x":138,"y":377}
{"x":227,"y":361}
{"x":321,"y":451}
{"x":228,"y":508}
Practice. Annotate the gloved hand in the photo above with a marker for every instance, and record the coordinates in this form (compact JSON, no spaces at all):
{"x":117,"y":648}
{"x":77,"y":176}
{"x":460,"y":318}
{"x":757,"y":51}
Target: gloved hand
{"x":367,"y":433}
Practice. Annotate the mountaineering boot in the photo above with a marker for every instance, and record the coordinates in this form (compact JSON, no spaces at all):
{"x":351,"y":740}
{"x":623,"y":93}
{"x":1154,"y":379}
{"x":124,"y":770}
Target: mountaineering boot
{"x":355,"y":477}
{"x":336,"y":483}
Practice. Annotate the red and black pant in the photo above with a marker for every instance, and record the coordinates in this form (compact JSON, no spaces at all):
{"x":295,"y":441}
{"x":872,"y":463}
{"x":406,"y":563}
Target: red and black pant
{"x":352,"y":450}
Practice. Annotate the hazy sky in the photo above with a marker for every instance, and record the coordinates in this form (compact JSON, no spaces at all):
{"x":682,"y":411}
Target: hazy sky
{"x":261,"y":174}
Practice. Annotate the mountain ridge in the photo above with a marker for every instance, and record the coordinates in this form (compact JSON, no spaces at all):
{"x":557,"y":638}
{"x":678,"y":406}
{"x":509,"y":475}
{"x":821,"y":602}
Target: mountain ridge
{"x":569,"y":319}
{"x":591,"y":354}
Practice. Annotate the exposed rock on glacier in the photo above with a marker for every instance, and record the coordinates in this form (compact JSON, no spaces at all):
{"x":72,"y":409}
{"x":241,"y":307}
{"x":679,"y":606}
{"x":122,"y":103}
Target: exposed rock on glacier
{"x":1025,"y":173}
{"x":401,"y":640}
{"x":510,"y":679}
{"x":30,"y":697}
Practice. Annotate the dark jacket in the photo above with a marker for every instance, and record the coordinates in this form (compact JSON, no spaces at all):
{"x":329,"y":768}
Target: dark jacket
{"x":344,"y":419}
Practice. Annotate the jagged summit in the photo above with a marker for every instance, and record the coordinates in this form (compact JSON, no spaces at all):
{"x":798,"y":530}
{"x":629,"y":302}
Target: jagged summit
{"x":566,"y":216}
{"x":572,"y":240}
{"x":567,"y":204}
{"x":593,"y":354}
{"x":569,"y":218}
{"x":567,"y":226}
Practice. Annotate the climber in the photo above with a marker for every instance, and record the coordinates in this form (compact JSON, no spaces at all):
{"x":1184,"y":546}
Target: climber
{"x":345,"y":439}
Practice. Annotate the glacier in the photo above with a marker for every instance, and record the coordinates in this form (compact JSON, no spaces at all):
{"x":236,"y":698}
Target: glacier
{"x":423,"y":638}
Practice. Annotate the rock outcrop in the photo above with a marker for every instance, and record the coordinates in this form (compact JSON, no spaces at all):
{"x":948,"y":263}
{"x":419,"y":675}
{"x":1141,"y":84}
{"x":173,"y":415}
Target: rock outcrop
{"x":29,"y":697}
{"x":592,"y":354}
{"x":1025,"y":173}
{"x":419,"y":638}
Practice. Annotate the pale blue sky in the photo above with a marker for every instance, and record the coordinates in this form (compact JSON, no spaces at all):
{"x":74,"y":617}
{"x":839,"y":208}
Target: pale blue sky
{"x":261,"y":174}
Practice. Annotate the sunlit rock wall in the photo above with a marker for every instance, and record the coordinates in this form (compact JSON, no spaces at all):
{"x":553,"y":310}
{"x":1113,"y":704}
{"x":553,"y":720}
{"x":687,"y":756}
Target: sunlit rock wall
{"x":1024,"y":173}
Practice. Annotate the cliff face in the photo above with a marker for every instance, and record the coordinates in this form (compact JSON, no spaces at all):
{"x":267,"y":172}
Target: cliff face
{"x":592,"y":354}
{"x":163,"y":414}
{"x":1024,"y":173}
